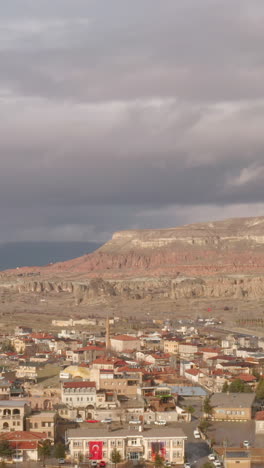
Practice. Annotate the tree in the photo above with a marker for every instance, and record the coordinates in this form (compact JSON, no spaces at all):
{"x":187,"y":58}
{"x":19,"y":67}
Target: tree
{"x":207,"y":407}
{"x":190,"y":409}
{"x":238,"y":386}
{"x":6,"y":451}
{"x":225,"y":387}
{"x":256,"y":374}
{"x":7,"y":347}
{"x":115,"y":456}
{"x":159,"y":460}
{"x":260,"y":390}
{"x":59,"y":451}
{"x":44,"y":449}
{"x":204,"y":425}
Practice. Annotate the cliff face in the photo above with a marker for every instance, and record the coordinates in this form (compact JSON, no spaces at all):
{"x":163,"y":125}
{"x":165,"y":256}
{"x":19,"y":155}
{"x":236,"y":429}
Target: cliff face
{"x":230,"y":287}
{"x":219,"y":259}
{"x":221,"y":247}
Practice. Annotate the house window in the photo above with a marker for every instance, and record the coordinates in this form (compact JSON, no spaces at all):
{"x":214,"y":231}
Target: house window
{"x":77,"y":443}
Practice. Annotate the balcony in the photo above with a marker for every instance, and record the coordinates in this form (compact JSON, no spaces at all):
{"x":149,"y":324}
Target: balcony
{"x":10,"y":416}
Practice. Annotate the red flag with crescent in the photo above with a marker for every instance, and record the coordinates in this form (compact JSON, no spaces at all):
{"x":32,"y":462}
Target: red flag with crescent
{"x":96,"y":450}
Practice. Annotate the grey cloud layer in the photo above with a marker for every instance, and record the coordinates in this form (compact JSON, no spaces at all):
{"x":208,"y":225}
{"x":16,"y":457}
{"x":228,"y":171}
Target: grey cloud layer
{"x":112,"y":110}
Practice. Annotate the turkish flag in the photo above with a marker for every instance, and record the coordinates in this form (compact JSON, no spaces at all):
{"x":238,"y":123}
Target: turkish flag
{"x":96,"y":450}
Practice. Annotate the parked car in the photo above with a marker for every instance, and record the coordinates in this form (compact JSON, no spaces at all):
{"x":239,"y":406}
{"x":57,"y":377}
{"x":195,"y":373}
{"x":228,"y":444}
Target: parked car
{"x":187,"y":465}
{"x":61,"y":461}
{"x":217,"y":463}
{"x":196,"y":434}
{"x":79,"y":420}
{"x":94,"y":463}
{"x":102,"y":464}
{"x":107,"y":420}
{"x":246,"y":444}
{"x":211,"y":457}
{"x":92,"y":420}
{"x":161,"y":422}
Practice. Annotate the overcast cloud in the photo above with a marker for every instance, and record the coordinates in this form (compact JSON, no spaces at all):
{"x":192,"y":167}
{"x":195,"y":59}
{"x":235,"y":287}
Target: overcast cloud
{"x":121,"y":114}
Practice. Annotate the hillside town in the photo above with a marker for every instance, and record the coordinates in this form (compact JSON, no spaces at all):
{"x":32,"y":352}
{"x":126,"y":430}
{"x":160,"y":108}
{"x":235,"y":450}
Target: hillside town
{"x":100,"y":391}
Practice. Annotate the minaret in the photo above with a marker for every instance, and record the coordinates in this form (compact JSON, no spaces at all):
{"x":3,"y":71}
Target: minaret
{"x":107,"y":334}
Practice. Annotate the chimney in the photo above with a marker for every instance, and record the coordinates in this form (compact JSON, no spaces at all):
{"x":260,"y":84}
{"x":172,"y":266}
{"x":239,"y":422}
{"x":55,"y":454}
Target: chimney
{"x":107,"y":334}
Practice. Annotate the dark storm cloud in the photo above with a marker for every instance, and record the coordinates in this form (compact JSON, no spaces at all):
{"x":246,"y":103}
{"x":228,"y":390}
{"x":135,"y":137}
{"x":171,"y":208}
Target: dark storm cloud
{"x":121,"y":114}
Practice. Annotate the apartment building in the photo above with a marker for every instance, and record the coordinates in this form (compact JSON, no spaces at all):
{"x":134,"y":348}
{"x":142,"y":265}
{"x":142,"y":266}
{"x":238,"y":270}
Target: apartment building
{"x":42,"y":421}
{"x":27,"y":371}
{"x":12,"y":415}
{"x":171,"y":346}
{"x":187,"y":350}
{"x":79,"y":394}
{"x":123,"y":383}
{"x":232,"y":406}
{"x":5,"y":389}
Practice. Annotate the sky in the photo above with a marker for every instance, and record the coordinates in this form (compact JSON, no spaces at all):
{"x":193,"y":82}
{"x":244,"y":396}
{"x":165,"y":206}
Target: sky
{"x":120,"y":114}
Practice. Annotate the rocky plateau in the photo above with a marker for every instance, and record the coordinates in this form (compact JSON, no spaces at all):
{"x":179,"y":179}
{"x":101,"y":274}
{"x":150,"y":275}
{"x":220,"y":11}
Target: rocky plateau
{"x":203,"y":260}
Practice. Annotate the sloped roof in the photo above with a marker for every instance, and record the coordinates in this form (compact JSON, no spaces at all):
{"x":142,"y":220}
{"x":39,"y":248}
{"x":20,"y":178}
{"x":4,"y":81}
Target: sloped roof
{"x":80,"y":384}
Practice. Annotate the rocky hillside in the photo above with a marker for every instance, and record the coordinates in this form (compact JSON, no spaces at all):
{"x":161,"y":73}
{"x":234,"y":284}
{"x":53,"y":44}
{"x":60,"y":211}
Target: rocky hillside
{"x":223,"y":259}
{"x":229,"y":287}
{"x":231,"y":246}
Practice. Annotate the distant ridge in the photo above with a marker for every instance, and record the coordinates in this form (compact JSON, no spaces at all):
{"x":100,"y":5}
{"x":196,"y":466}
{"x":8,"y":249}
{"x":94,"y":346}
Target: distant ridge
{"x":17,"y":254}
{"x":231,"y":246}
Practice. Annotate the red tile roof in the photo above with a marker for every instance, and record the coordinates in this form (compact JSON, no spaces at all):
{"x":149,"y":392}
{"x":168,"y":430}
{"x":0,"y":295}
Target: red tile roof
{"x":246,"y":377}
{"x":23,"y":436}
{"x":24,"y":445}
{"x":42,"y":336}
{"x":124,"y":338}
{"x":192,"y":372}
{"x":112,"y":361}
{"x":259,"y":416}
{"x":80,"y":384}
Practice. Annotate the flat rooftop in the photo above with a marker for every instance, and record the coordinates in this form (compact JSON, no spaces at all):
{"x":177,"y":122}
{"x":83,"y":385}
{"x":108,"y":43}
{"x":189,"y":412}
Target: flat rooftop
{"x":101,"y":430}
{"x":237,"y":454}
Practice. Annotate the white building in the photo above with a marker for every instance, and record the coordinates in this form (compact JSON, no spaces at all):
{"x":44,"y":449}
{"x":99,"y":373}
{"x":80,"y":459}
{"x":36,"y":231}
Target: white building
{"x":79,"y":394}
{"x":98,"y":442}
{"x":121,"y":343}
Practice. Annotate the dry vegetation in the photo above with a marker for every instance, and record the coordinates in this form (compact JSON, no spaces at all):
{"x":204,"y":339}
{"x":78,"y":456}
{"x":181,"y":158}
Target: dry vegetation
{"x":38,"y":310}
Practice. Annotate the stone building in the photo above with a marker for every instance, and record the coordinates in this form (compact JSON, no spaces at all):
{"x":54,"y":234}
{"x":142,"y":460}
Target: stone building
{"x":12,"y":415}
